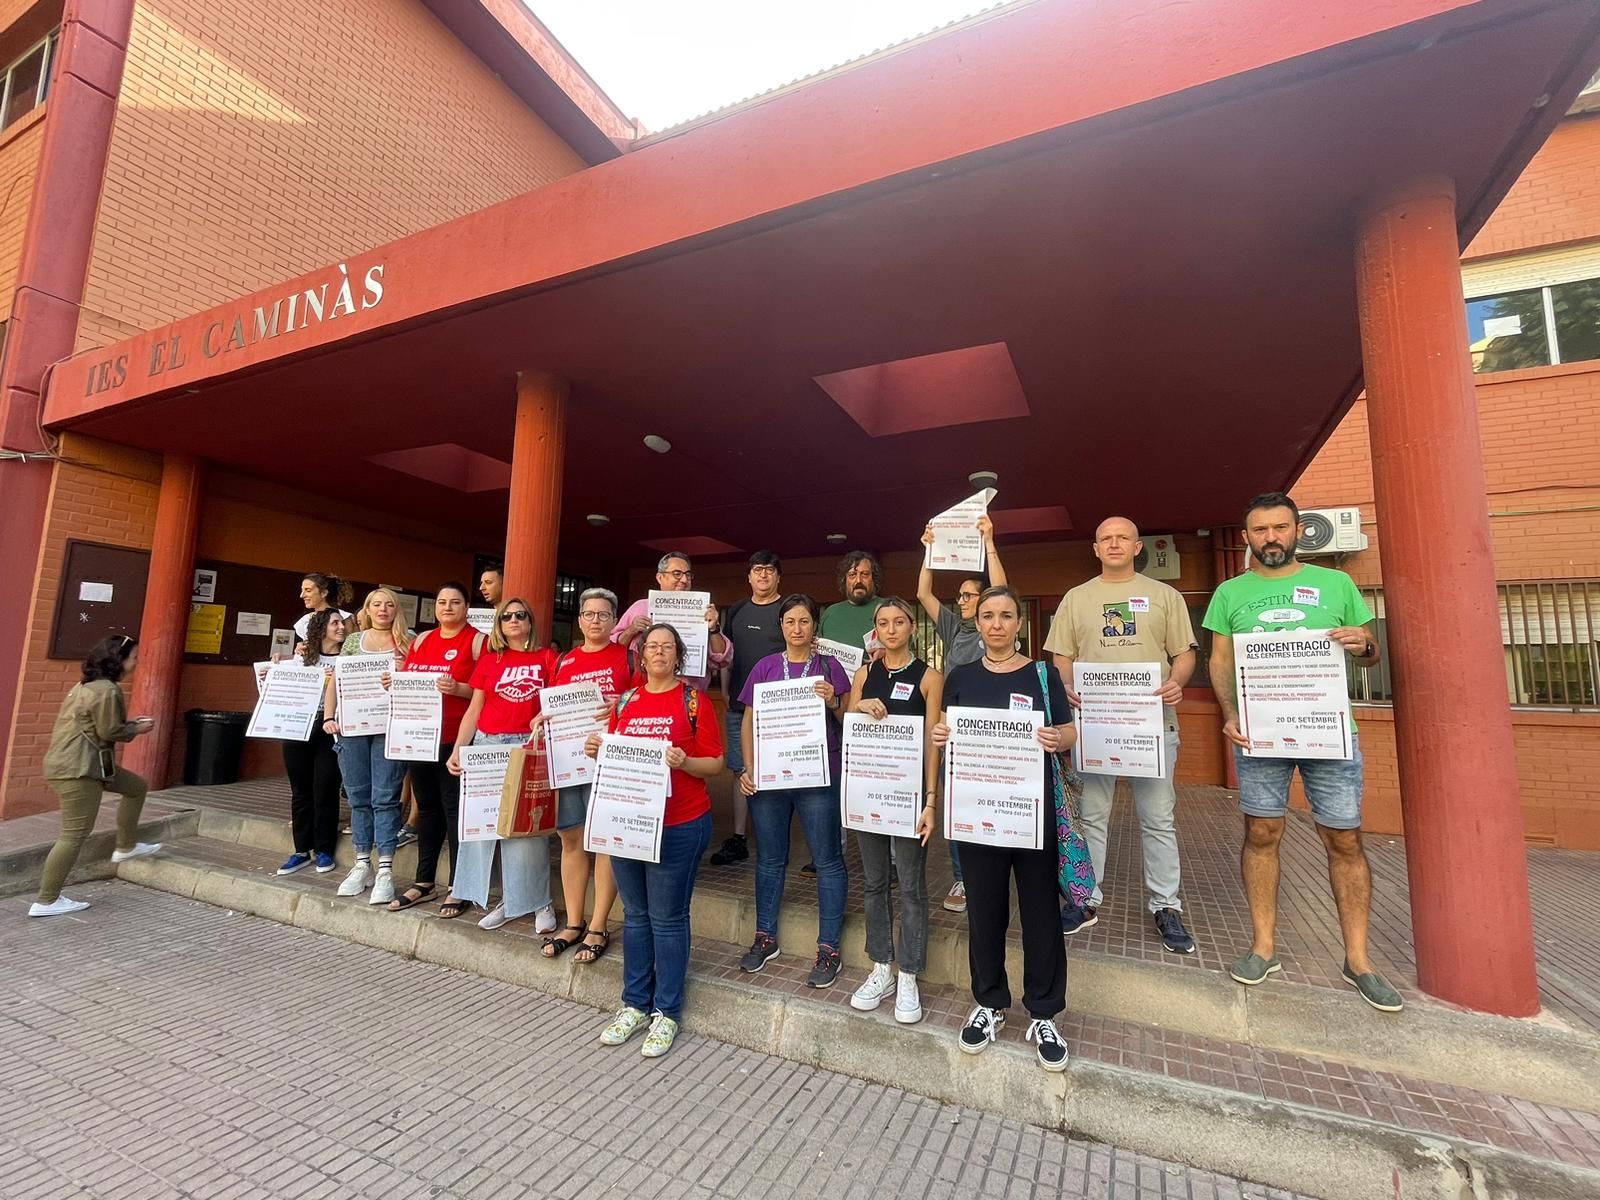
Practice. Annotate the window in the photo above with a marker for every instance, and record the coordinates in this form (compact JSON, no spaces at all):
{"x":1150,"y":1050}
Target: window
{"x":1549,"y":631}
{"x":27,"y":82}
{"x":1535,"y":327}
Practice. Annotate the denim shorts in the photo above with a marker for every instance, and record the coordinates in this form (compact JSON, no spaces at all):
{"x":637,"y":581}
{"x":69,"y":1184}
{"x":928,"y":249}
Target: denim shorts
{"x":1333,"y":786}
{"x":572,"y":806}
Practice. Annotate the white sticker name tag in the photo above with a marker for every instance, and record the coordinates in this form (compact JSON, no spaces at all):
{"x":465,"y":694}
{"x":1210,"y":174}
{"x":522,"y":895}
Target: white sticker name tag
{"x":1021,"y":703}
{"x":902,"y":691}
{"x":1139,"y":604}
{"x":1308,"y":595}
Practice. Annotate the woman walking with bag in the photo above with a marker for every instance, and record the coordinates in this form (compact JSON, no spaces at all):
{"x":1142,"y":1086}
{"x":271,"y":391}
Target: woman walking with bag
{"x":313,"y":765}
{"x":449,"y":653}
{"x":371,"y":780}
{"x":656,"y":896}
{"x":505,"y":699}
{"x":81,"y":765}
{"x":901,"y":685}
{"x":1008,"y":680}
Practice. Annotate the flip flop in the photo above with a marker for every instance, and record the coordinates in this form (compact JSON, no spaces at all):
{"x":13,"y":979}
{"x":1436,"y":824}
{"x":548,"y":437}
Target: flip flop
{"x":424,"y":892}
{"x":453,"y":908}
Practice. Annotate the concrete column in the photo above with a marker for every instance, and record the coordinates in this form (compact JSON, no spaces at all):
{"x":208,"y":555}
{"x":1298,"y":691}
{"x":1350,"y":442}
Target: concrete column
{"x":166,"y":615}
{"x":533,"y":522}
{"x":1470,"y":911}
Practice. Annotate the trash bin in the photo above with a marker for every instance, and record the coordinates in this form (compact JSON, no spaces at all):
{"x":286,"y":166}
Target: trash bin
{"x":215,"y":744}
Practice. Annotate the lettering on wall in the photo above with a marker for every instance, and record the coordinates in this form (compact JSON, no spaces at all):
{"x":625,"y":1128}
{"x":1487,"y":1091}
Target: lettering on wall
{"x":340,"y":295}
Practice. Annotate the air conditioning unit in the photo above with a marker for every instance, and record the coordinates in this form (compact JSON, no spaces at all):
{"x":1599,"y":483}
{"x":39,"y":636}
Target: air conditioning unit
{"x":1330,"y":531}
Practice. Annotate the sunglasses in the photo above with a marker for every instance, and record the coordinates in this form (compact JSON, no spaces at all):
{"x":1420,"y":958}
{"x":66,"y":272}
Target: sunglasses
{"x":520,"y":614}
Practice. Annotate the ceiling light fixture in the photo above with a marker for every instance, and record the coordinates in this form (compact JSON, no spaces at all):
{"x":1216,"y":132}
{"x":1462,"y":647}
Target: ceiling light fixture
{"x":838,"y":537}
{"x":598,"y":519}
{"x":657,"y":443}
{"x":984,"y":479}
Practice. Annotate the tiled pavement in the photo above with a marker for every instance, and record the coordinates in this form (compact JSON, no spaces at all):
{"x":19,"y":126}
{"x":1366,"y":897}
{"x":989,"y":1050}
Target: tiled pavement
{"x":160,"y":1048}
{"x":1545,"y":1131}
{"x":1565,"y":887}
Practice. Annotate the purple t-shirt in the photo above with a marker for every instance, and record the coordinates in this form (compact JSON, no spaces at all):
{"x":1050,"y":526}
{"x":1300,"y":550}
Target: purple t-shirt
{"x":771,"y":670}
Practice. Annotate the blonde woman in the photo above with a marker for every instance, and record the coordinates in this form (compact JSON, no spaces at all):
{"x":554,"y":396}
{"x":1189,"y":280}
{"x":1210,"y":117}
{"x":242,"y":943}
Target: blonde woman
{"x":371,"y":781}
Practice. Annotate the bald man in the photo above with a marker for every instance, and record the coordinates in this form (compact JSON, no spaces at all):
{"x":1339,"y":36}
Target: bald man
{"x":1121,"y":616}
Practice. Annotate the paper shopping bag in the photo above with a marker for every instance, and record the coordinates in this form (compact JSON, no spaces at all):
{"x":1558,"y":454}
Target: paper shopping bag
{"x":527,"y":802}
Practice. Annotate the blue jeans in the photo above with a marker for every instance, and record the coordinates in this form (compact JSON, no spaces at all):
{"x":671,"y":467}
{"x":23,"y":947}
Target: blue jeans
{"x":655,"y":918}
{"x":771,"y":814}
{"x":372,"y":783}
{"x":1333,"y":786}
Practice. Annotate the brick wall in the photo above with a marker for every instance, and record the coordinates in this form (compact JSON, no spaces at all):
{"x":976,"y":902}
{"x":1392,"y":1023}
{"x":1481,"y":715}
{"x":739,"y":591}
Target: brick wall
{"x":102,"y":493}
{"x":257,"y":141}
{"x":19,"y":160}
{"x":1556,"y":200}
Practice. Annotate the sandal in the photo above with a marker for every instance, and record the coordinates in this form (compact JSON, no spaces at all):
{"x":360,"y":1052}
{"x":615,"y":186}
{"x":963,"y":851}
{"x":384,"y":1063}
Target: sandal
{"x":555,"y":947}
{"x":417,"y":893}
{"x":597,"y":950}
{"x":453,"y":908}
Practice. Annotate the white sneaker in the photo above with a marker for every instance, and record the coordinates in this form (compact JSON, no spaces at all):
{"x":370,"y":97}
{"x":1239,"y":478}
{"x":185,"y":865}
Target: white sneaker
{"x":907,"y":1000}
{"x":872,"y":991}
{"x":494,"y":918}
{"x":57,"y":907}
{"x":140,"y":850}
{"x":382,"y":887}
{"x":356,"y":882}
{"x":544,"y":921}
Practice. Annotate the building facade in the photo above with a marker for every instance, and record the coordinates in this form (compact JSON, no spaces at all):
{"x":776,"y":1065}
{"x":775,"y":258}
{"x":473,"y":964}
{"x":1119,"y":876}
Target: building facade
{"x":234,"y":159}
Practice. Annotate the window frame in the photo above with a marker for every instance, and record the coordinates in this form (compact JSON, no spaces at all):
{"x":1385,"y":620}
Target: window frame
{"x":1547,"y":305}
{"x":50,"y":44}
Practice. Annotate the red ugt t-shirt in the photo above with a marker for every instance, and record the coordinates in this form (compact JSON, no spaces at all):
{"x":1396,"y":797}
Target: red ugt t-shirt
{"x":511,"y":681}
{"x":664,"y":715}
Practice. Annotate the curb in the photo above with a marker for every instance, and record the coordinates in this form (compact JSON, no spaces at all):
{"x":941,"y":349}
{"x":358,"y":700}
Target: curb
{"x":1540,"y":1062}
{"x":1279,"y":1144}
{"x":20,"y":870}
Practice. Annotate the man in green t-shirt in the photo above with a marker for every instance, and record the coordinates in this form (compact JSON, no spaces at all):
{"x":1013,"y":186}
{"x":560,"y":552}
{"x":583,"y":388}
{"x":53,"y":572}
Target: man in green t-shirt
{"x":1281,"y":593}
{"x":850,"y":620}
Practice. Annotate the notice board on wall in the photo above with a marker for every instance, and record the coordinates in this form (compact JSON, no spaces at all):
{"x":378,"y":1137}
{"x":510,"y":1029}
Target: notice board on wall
{"x":102,"y":592}
{"x":253,"y":602}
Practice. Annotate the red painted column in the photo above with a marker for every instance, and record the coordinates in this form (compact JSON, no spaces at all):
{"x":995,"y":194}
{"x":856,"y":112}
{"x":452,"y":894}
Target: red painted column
{"x":533,"y":521}
{"x":1470,"y":911}
{"x":166,"y":615}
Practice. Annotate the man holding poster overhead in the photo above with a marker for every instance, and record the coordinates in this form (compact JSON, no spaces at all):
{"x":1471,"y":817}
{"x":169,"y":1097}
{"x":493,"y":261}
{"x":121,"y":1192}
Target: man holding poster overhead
{"x":1121,"y":616}
{"x":1279,"y":593}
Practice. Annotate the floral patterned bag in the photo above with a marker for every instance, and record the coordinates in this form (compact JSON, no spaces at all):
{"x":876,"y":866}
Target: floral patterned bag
{"x":1074,"y":866}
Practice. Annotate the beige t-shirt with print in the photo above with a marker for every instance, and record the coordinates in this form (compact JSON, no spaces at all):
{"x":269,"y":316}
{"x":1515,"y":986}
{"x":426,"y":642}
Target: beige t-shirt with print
{"x":1141,"y":620}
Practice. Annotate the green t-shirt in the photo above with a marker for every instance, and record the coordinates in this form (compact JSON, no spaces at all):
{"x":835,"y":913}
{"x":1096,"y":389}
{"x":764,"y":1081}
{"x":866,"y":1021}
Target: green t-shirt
{"x":849,"y":623}
{"x":1312,"y":598}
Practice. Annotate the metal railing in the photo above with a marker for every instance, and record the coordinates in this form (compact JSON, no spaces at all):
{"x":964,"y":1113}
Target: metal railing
{"x":1550,"y":632}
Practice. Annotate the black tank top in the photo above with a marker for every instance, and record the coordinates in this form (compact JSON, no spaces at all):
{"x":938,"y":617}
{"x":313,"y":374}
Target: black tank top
{"x":880,"y":684}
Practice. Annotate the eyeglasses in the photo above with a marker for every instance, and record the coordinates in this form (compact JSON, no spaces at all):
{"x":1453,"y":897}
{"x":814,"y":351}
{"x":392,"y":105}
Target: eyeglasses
{"x":967,"y":595}
{"x":520,"y":614}
{"x":595,"y":615}
{"x":678,"y":575}
{"x":763,"y":570}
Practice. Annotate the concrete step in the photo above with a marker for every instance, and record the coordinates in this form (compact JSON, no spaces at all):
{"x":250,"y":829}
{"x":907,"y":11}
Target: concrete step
{"x":1155,"y":1099}
{"x":21,"y":868}
{"x":1540,"y":1060}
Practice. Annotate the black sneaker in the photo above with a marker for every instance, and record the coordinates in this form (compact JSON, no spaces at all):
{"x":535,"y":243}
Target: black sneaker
{"x":1052,"y":1049}
{"x":1173,"y":935}
{"x":1074,"y":918}
{"x":406,"y":836}
{"x":762,"y":951}
{"x":733,"y":850}
{"x":825,"y":970}
{"x":982,"y":1027}
{"x":809,"y":869}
